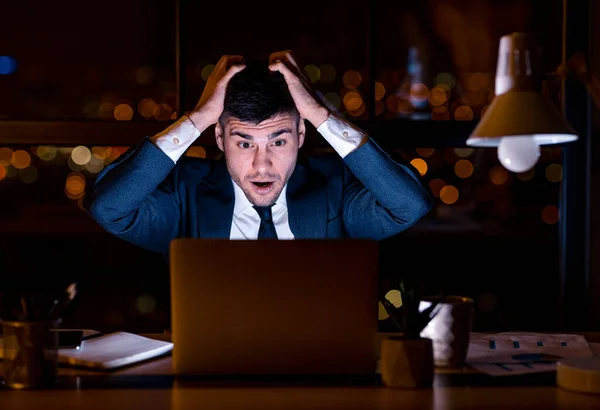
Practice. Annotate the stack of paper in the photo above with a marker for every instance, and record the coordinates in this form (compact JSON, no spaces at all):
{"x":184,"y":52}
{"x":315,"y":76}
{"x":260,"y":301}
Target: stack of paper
{"x":513,"y":353}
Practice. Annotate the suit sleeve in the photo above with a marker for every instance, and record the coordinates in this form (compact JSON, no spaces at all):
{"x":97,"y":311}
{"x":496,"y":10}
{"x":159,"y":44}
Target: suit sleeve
{"x":382,"y":197}
{"x":135,"y":198}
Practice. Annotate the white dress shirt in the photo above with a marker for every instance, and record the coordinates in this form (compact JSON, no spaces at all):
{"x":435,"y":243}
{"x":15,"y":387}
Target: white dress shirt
{"x":246,"y":222}
{"x":343,"y":136}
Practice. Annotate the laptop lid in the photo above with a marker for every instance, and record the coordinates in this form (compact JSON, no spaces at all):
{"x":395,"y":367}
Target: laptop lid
{"x":273,"y":307}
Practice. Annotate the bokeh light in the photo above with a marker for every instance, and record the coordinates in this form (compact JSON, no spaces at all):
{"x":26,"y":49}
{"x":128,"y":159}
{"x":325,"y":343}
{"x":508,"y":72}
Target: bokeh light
{"x":463,"y":168}
{"x":420,"y":165}
{"x":352,"y":79}
{"x":449,"y":194}
{"x":8,"y":65}
{"x":550,"y":214}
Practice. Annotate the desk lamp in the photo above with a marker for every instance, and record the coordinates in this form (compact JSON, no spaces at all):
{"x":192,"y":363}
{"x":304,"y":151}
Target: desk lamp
{"x":520,"y":118}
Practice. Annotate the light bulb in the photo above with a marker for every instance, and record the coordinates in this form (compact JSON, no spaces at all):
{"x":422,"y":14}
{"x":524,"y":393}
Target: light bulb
{"x":518,"y":154}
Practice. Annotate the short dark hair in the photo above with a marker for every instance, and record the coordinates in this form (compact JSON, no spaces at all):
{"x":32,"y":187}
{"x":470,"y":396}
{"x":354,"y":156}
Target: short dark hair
{"x":256,"y":94}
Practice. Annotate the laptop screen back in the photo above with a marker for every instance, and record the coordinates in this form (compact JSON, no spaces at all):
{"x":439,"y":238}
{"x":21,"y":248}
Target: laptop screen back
{"x":273,"y":307}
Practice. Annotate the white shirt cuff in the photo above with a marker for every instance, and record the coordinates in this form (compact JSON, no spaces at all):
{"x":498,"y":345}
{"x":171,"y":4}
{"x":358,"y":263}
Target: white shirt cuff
{"x":176,"y":138}
{"x":342,"y":135}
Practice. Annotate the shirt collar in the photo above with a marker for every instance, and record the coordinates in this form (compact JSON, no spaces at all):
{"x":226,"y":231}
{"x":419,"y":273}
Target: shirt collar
{"x":242,"y":203}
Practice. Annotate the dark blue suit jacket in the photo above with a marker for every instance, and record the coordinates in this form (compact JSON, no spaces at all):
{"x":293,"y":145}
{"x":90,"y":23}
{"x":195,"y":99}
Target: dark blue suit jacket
{"x":144,"y":198}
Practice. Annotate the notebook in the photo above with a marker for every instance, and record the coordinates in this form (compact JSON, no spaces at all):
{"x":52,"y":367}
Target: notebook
{"x":114,"y":350}
{"x":302,"y":307}
{"x":111,"y":351}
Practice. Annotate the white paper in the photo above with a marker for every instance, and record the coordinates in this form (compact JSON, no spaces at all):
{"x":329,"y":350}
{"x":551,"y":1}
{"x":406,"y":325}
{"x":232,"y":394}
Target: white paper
{"x":514,"y":353}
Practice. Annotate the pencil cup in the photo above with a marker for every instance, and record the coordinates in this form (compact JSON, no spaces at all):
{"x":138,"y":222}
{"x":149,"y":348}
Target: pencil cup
{"x":29,"y":352}
{"x":449,"y":330}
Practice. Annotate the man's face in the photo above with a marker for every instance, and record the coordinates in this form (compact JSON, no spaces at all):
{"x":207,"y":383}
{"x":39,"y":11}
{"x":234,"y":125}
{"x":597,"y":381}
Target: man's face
{"x":261,"y":158}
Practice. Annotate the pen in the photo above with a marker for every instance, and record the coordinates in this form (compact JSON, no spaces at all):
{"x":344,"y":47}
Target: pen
{"x":28,"y":307}
{"x":61,"y":303}
{"x":25,"y":308}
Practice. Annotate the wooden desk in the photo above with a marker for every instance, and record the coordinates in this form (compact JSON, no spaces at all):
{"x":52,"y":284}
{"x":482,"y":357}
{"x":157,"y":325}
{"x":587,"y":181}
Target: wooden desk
{"x":151,"y":385}
{"x":279,"y":398}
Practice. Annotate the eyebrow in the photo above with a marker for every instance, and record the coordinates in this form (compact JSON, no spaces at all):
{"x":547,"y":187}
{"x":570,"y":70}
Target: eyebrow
{"x":271,"y":135}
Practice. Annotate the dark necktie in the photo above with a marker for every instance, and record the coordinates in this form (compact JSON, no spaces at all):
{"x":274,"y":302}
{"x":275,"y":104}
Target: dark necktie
{"x":267,"y":229}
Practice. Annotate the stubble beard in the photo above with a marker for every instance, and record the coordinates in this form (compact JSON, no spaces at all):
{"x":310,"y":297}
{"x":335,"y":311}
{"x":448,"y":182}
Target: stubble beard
{"x":236,"y":178}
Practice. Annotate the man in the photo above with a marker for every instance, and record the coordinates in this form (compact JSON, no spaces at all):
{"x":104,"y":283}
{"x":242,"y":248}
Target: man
{"x":153,"y":194}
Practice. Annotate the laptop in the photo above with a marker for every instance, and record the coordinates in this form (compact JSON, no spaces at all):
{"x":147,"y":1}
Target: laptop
{"x":259,"y":307}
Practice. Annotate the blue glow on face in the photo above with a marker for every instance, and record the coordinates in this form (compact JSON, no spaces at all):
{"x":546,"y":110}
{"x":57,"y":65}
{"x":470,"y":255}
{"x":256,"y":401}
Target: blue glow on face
{"x":8,"y":65}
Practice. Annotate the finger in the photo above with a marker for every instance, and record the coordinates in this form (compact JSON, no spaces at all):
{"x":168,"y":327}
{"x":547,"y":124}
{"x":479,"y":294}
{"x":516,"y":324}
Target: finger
{"x":284,"y":60}
{"x":299,"y":75}
{"x":227,"y":61}
{"x":290,"y":57}
{"x":222,"y":59}
{"x":289,"y":75}
{"x":286,"y":56}
{"x":278,"y":55}
{"x":234,"y":59}
{"x":233,"y":70}
{"x":224,"y":63}
{"x":219,"y":68}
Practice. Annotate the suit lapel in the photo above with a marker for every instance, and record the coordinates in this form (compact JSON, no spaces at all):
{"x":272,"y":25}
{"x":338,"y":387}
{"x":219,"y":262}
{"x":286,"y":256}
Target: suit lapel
{"x":215,"y":200}
{"x":307,"y":205}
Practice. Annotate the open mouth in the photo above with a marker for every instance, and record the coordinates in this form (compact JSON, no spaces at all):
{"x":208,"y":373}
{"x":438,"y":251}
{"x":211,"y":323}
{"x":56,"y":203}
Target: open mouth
{"x":263,"y":187}
{"x":263,"y":184}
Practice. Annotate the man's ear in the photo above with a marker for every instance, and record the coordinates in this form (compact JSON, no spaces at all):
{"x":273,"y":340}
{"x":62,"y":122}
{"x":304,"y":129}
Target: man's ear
{"x":301,"y":131}
{"x":219,"y":136}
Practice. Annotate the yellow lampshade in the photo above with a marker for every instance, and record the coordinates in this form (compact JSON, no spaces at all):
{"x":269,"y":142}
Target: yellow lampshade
{"x":520,"y":109}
